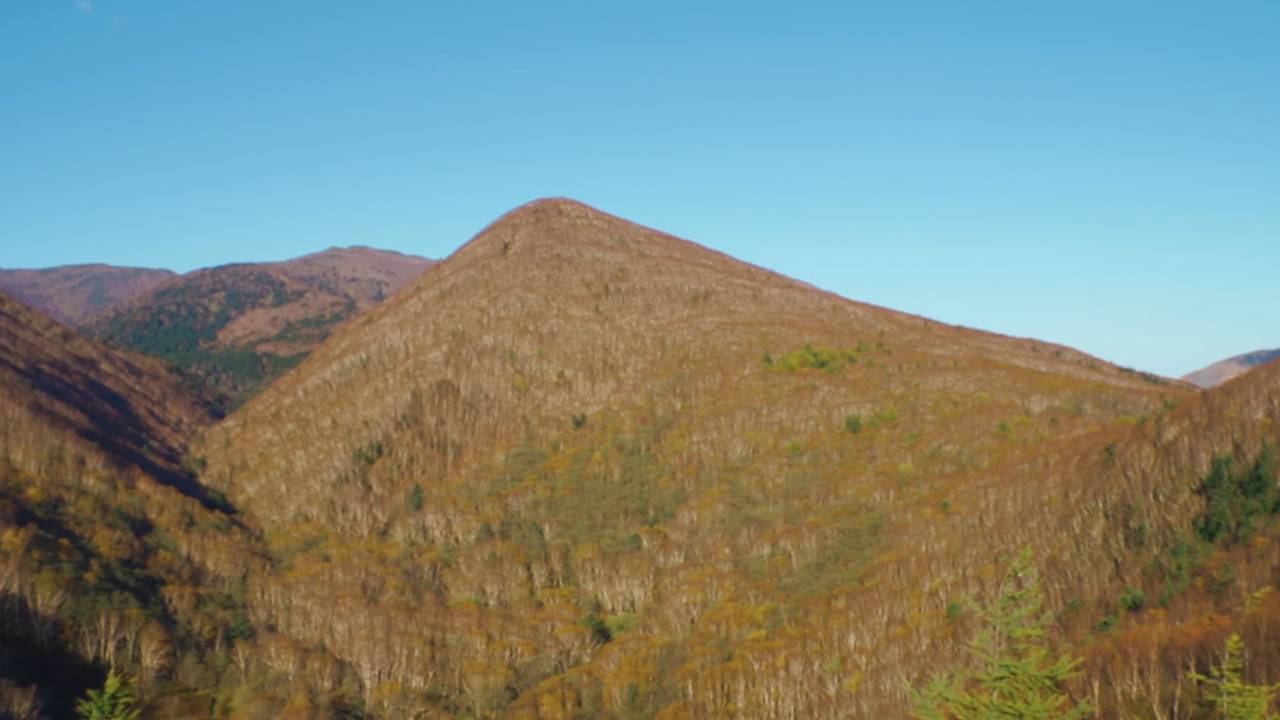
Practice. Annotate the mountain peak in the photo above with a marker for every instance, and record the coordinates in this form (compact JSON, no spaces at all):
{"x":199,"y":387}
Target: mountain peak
{"x":550,"y":221}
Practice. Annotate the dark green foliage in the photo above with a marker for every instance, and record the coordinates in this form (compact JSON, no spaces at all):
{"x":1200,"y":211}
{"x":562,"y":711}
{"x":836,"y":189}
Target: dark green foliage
{"x":599,"y":629}
{"x":1106,"y":624}
{"x":1017,"y":674}
{"x":1133,"y":599}
{"x":241,"y":629}
{"x":182,"y":323}
{"x":415,"y":498}
{"x":1176,"y":565}
{"x":115,"y":701}
{"x":853,"y":424}
{"x":578,"y":421}
{"x":1237,"y":501}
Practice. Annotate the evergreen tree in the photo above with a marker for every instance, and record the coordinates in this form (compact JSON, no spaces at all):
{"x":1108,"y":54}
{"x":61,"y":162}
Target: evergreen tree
{"x":114,"y":701}
{"x":1232,"y":698}
{"x":1017,"y":674}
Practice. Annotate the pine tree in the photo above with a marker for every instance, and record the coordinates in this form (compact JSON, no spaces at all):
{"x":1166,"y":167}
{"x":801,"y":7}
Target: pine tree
{"x":1018,"y":676}
{"x":1230,"y":695}
{"x":114,"y":701}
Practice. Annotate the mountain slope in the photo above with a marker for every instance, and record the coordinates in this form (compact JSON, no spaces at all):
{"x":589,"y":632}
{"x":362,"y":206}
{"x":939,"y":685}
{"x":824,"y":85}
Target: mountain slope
{"x":128,"y":408}
{"x":100,"y":522}
{"x":75,"y":294}
{"x":1224,"y":370}
{"x":588,"y":466}
{"x":235,"y":327}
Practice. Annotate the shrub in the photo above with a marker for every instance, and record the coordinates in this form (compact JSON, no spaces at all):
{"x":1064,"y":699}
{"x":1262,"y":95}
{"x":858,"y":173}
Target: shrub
{"x":1133,"y":599}
{"x":853,"y":424}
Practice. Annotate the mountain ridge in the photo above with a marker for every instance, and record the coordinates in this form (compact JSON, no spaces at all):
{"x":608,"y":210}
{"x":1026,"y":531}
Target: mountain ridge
{"x":232,"y":328}
{"x":1224,"y":370}
{"x":76,"y":294}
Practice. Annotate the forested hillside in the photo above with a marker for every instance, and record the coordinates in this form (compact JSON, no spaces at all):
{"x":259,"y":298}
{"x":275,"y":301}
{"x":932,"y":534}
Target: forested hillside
{"x":233,"y":328}
{"x":584,"y":469}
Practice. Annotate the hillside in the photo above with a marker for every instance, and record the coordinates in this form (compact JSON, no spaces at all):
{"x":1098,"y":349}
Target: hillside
{"x":126,"y":407}
{"x":233,"y":328}
{"x":584,"y":468}
{"x":101,"y":525}
{"x":75,"y":294}
{"x":1224,"y":370}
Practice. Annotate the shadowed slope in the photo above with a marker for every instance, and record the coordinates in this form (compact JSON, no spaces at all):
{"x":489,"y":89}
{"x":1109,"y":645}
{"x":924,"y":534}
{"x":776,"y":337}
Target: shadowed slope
{"x":130,"y":408}
{"x":110,"y":553}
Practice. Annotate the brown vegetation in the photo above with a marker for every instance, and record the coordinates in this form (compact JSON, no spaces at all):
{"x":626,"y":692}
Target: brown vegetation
{"x":76,"y":294}
{"x":584,"y":469}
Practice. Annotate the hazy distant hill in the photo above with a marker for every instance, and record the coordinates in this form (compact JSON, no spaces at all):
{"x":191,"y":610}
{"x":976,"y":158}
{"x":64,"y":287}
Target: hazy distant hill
{"x":1224,"y":370}
{"x":235,"y":327}
{"x":75,"y":294}
{"x":596,"y":470}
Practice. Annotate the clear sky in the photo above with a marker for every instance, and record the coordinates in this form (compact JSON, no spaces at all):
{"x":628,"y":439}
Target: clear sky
{"x":1101,"y":174}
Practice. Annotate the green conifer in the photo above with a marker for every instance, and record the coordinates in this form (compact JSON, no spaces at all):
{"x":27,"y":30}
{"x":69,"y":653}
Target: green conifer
{"x":114,"y":701}
{"x":1017,"y":674}
{"x":1232,"y":698}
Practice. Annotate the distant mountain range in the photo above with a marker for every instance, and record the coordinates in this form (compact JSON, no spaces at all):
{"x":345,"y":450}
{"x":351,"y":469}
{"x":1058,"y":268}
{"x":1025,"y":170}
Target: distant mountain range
{"x":229,"y":329}
{"x":75,"y":294}
{"x":1224,"y":370}
{"x":582,"y":468}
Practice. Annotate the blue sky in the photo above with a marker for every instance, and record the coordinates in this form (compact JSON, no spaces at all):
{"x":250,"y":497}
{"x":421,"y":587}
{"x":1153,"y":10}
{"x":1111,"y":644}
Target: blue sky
{"x":1101,"y":174}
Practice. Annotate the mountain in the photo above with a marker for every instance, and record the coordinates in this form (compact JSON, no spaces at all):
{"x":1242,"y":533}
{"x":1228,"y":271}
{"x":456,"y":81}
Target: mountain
{"x":75,"y":294}
{"x":584,"y":468}
{"x":233,"y":328}
{"x":1224,"y":370}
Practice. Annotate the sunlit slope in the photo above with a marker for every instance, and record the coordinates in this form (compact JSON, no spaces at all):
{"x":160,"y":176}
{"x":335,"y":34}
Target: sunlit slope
{"x":558,"y":310}
{"x":585,"y":467}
